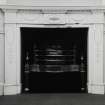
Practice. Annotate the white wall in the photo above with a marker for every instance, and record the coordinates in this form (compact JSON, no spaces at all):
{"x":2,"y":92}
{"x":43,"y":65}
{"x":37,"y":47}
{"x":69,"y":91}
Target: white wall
{"x":1,"y":54}
{"x":103,"y":2}
{"x":3,"y":2}
{"x":55,"y":2}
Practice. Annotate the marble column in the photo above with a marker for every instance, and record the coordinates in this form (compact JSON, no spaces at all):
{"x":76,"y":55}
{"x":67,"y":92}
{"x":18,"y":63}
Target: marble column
{"x":12,"y":50}
{"x":95,"y":62}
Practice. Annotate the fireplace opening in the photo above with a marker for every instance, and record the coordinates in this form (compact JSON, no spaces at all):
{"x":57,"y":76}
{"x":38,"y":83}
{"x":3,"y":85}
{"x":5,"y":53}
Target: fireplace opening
{"x":54,"y":60}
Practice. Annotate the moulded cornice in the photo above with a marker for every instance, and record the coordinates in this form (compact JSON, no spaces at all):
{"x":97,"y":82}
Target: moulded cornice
{"x":9,"y":10}
{"x":72,"y":8}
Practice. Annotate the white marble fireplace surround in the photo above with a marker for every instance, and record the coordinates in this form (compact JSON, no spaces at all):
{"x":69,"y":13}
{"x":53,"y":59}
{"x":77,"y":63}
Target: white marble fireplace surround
{"x":12,"y":18}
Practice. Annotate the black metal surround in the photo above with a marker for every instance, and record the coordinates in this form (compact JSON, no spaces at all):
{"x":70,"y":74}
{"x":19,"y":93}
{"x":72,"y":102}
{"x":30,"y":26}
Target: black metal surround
{"x":54,"y":59}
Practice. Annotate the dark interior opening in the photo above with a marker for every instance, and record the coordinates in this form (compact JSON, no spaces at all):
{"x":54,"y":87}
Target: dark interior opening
{"x":54,"y":60}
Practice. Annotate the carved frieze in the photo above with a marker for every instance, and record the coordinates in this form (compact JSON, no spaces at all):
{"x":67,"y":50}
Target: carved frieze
{"x":41,"y":17}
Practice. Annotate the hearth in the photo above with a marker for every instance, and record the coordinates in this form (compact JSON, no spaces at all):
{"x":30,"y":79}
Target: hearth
{"x":54,"y":59}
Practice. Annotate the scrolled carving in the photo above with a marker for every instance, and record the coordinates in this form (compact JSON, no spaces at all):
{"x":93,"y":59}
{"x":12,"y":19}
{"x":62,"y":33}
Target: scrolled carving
{"x":78,"y":18}
{"x":29,"y":16}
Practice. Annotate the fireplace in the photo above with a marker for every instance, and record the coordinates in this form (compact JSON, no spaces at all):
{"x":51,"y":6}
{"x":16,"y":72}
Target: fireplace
{"x":54,"y":59}
{"x":20,"y":23}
